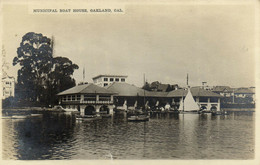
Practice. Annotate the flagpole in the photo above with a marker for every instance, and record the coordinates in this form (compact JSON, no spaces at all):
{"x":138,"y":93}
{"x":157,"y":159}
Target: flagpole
{"x":84,"y":74}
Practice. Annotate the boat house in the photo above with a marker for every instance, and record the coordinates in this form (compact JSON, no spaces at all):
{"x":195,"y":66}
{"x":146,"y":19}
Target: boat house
{"x":87,"y":98}
{"x":90,"y":98}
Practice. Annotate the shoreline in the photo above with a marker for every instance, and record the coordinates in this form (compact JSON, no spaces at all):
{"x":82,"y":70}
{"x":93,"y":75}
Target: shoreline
{"x":50,"y":109}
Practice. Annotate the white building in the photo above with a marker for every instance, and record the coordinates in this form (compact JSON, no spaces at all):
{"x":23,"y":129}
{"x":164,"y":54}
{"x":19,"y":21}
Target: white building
{"x":8,"y":84}
{"x":105,"y":80}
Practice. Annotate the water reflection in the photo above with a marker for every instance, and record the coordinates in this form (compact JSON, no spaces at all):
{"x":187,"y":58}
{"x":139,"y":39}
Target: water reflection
{"x":165,"y":136}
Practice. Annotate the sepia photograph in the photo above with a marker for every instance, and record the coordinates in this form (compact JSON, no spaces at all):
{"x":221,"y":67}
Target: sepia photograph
{"x":150,"y":80}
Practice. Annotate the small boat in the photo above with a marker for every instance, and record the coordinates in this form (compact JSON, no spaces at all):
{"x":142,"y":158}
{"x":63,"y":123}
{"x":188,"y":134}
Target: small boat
{"x":61,"y":109}
{"x":138,"y":118}
{"x":204,"y":111}
{"x":19,"y":117}
{"x":88,"y":117}
{"x":6,"y":117}
{"x":36,"y":115}
{"x":174,"y":111}
{"x":219,"y":113}
{"x":58,"y":108}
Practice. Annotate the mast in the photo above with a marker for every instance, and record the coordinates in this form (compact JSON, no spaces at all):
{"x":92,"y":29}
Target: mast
{"x":144,"y":91}
{"x":84,"y":74}
{"x":187,"y":79}
{"x":183,"y":99}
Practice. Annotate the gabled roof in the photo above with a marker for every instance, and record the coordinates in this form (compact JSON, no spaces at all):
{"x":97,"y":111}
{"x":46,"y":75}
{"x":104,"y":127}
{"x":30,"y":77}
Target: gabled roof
{"x":195,"y":91}
{"x":244,"y":91}
{"x":125,"y":89}
{"x":222,"y":89}
{"x":86,"y":88}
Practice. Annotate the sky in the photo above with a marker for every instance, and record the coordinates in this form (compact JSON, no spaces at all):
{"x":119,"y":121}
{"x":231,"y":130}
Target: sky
{"x":211,"y":43}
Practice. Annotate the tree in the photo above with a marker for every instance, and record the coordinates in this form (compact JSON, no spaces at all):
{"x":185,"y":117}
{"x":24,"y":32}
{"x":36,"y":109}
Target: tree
{"x":147,"y":86}
{"x":35,"y":58}
{"x":40,"y":72}
{"x":60,"y":78}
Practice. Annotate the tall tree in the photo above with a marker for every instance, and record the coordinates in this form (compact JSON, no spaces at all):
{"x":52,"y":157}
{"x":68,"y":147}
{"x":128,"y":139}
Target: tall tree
{"x":41,"y":76}
{"x":35,"y":58}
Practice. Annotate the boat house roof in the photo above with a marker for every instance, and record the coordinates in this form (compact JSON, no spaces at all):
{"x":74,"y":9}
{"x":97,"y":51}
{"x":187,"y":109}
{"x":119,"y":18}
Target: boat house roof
{"x":195,"y":91}
{"x":125,"y":89}
{"x":86,"y":88}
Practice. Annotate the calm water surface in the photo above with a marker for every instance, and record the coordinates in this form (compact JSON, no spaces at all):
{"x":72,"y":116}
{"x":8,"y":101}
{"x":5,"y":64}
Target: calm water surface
{"x":188,"y":136}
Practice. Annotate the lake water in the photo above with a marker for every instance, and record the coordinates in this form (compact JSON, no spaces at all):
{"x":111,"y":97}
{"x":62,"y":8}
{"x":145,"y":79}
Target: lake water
{"x":165,"y":136}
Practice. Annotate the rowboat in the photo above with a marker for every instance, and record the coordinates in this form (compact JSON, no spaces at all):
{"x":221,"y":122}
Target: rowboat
{"x":88,"y":117}
{"x":138,"y":118}
{"x":19,"y":117}
{"x":36,"y":115}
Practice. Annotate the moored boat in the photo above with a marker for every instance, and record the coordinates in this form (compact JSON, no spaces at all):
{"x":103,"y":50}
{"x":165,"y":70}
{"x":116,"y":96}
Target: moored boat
{"x":36,"y":115}
{"x":219,"y":113}
{"x":6,"y":117}
{"x":174,"y":111}
{"x":61,"y":109}
{"x":19,"y":117}
{"x":139,"y":118}
{"x":88,"y":117}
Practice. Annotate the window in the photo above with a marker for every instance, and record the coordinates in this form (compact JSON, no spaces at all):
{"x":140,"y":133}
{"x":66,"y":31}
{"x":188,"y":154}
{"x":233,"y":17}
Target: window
{"x":105,"y":84}
{"x":69,"y":97}
{"x":73,"y":97}
{"x":78,"y":97}
{"x":104,"y":98}
{"x":117,"y":79}
{"x":111,"y":79}
{"x":64,"y":98}
{"x":122,"y":80}
{"x":89,"y":98}
{"x":105,"y":79}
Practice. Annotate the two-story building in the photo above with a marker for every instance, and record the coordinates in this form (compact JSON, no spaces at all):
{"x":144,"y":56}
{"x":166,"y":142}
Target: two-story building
{"x":105,"y":80}
{"x":87,"y":98}
{"x":8,"y":84}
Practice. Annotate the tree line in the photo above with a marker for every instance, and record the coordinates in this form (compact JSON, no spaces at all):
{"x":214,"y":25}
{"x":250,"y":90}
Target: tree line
{"x":41,"y":75}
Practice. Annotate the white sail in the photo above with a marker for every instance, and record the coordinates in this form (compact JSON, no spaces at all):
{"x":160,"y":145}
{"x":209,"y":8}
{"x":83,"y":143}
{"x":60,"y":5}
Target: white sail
{"x":135,"y":105}
{"x":189,"y":103}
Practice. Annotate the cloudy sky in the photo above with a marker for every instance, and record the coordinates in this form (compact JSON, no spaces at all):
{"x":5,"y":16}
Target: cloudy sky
{"x":212,"y":43}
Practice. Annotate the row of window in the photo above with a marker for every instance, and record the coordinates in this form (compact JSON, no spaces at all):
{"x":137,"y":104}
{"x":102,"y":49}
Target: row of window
{"x":86,"y":98}
{"x":71,"y":98}
{"x":114,"y":79}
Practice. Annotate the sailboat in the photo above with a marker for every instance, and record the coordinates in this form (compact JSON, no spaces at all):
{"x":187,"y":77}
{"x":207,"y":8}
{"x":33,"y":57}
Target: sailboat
{"x":188,"y":104}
